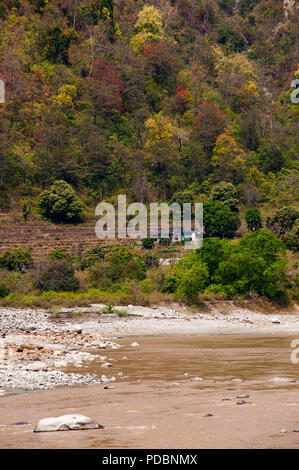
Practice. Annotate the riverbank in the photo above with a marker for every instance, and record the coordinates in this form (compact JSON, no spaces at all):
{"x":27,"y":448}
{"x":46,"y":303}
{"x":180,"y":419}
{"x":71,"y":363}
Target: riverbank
{"x":37,"y":348}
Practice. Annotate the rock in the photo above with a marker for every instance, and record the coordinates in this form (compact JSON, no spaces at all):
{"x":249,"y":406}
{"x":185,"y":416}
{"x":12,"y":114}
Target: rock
{"x":225,"y":399}
{"x":282,"y":380}
{"x":237,"y":380}
{"x":196,"y":379}
{"x":283,"y":431}
{"x":37,"y":366}
{"x":134,"y":345}
{"x":275,"y":320}
{"x":109,"y":344}
{"x":113,"y":387}
{"x":207,"y":415}
{"x":241,"y":402}
{"x":243,"y":396}
{"x":295,"y":430}
{"x":124,"y":358}
{"x":175,"y":384}
{"x":19,"y":423}
{"x":60,"y":364}
{"x":66,"y":423}
{"x":107,"y":364}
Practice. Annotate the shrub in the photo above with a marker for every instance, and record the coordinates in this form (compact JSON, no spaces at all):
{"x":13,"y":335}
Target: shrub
{"x":164,"y":241}
{"x":92,"y":255}
{"x":17,"y":259}
{"x":58,"y":276}
{"x":148,"y":243}
{"x":59,"y":254}
{"x":4,"y":291}
{"x":219,"y":220}
{"x":148,"y":286}
{"x":60,"y":204}
{"x":253,"y":219}
{"x":151,"y":260}
{"x":122,"y":263}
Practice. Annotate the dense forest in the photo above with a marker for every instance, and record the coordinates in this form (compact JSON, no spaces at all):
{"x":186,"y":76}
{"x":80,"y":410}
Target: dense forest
{"x":163,"y":100}
{"x":160,"y":100}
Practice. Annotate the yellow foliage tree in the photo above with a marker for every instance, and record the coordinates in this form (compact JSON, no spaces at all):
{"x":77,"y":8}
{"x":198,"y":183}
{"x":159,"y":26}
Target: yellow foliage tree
{"x":228,"y":158}
{"x":65,"y":96}
{"x":148,"y":28}
{"x":159,"y":127}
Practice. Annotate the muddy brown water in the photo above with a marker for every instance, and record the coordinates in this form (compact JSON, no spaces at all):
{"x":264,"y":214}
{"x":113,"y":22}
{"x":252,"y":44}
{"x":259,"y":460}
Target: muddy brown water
{"x":146,"y":410}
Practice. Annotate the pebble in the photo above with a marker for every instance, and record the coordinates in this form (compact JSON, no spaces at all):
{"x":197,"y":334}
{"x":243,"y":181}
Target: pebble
{"x":283,"y":431}
{"x":237,"y":380}
{"x":207,"y":415}
{"x":107,"y":364}
{"x":282,"y":380}
{"x":243,"y":396}
{"x":196,"y":379}
{"x":134,"y":345}
{"x":241,"y":402}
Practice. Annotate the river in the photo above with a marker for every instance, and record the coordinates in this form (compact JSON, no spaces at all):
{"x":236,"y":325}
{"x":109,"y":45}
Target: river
{"x":156,"y":405}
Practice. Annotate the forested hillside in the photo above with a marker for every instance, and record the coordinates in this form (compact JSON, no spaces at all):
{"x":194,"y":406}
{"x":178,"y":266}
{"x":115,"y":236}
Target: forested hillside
{"x":160,"y":100}
{"x":182,"y":100}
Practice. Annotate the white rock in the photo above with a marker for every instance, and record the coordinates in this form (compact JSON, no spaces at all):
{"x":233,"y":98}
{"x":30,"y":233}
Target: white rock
{"x":282,"y":380}
{"x":107,"y":364}
{"x":237,"y":380}
{"x":196,"y":379}
{"x":124,"y":358}
{"x":135,"y":345}
{"x":60,"y":364}
{"x":66,"y":423}
{"x":37,"y":366}
{"x":109,"y":344}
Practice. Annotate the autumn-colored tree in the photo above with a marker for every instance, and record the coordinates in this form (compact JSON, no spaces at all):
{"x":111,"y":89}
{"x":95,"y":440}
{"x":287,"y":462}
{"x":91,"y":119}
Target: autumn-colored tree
{"x":148,"y":28}
{"x":208,"y":124}
{"x":228,"y":158}
{"x":105,"y":88}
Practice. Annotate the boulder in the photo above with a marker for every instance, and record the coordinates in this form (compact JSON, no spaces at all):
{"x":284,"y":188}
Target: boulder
{"x":37,"y":366}
{"x":66,"y":423}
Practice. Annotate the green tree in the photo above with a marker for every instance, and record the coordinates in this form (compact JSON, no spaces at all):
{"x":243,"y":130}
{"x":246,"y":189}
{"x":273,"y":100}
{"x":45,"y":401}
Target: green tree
{"x":226,"y":193}
{"x":253,"y":219}
{"x":219,"y":220}
{"x":17,"y":259}
{"x":122,"y":263}
{"x":60,"y":204}
{"x":283,"y":220}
